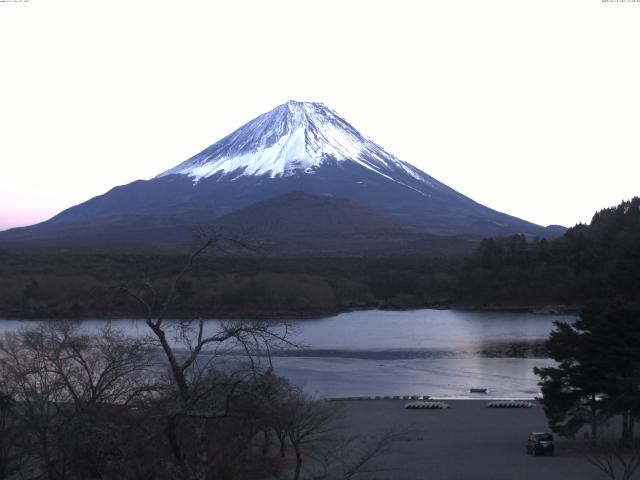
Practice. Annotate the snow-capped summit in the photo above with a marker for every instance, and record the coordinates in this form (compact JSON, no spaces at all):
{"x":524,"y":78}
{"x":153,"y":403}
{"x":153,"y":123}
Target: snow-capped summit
{"x":296,"y":137}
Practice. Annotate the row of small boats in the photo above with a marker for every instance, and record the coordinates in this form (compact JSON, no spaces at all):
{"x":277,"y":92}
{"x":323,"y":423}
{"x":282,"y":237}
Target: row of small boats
{"x":435,"y":405}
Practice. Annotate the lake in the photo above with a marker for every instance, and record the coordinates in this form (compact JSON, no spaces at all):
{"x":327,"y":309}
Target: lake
{"x":415,"y":352}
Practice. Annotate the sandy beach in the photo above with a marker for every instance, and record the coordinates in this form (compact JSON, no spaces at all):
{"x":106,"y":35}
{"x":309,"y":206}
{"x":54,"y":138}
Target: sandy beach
{"x":467,"y":441}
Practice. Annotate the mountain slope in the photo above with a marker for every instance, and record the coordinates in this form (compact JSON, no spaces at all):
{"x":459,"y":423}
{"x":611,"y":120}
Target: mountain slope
{"x":304,"y":147}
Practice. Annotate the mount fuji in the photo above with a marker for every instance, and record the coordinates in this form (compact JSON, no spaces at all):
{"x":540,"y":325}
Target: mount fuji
{"x":296,"y":147}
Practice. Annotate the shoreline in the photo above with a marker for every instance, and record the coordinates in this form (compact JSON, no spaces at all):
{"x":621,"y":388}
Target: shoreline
{"x":430,"y":398}
{"x":544,"y":309}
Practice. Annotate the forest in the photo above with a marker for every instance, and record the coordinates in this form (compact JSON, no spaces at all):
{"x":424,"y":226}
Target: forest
{"x":516,"y":272}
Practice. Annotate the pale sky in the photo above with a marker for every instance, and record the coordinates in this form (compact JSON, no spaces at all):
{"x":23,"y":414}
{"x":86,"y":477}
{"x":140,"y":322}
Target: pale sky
{"x":529,"y":107}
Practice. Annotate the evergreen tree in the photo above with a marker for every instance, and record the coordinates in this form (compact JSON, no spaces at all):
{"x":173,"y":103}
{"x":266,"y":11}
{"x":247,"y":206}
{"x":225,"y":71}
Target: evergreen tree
{"x":616,"y":327}
{"x":598,"y":372}
{"x":572,"y":391}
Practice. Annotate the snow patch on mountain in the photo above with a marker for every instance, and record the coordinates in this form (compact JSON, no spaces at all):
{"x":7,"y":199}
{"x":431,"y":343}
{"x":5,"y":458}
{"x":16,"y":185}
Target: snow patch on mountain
{"x":281,"y":158}
{"x":296,"y":137}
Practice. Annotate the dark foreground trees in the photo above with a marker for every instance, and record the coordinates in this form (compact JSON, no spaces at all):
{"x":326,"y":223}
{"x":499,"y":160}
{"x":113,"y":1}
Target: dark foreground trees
{"x":598,"y":371}
{"x":615,"y":460}
{"x":78,"y":404}
{"x":101,"y":405}
{"x":70,"y":395}
{"x":572,"y":391}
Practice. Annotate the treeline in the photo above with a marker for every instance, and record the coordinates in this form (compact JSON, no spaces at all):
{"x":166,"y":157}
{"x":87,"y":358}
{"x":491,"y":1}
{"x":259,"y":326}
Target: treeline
{"x":506,"y":272}
{"x":599,"y":260}
{"x":84,"y":286}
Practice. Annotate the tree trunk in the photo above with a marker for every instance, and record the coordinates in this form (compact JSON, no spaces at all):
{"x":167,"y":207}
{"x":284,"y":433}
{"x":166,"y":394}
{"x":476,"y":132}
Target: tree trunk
{"x":3,"y":459}
{"x":203,"y":457}
{"x":266,"y":442}
{"x":176,"y":371}
{"x":172,"y":437}
{"x":594,"y":422}
{"x":625,"y":428}
{"x":44,"y":445}
{"x":298,"y":462}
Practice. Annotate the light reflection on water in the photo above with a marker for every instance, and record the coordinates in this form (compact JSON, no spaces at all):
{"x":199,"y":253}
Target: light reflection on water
{"x":434,"y":352}
{"x":421,"y":352}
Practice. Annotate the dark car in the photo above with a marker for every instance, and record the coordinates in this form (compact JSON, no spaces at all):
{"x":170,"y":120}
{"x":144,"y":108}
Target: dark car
{"x":540,"y":443}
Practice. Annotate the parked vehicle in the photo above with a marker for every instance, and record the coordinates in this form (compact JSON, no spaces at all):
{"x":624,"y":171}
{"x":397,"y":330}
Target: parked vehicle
{"x":540,"y":443}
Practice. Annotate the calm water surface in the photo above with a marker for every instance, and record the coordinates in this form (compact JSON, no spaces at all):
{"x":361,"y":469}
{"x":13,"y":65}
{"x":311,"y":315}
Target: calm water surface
{"x":417,"y":352}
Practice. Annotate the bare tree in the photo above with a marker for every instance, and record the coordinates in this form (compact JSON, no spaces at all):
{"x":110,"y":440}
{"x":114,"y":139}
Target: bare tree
{"x":39,"y":394}
{"x":352,"y":457}
{"x":103,"y":368}
{"x":10,"y":460}
{"x":191,"y":349}
{"x":102,"y":374}
{"x":615,"y":459}
{"x":72,"y":393}
{"x":311,"y":424}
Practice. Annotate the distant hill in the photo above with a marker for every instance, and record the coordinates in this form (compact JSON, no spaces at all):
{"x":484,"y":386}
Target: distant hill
{"x":302,"y":214}
{"x":300,"y":223}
